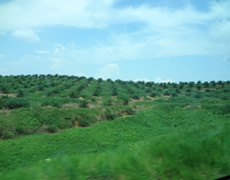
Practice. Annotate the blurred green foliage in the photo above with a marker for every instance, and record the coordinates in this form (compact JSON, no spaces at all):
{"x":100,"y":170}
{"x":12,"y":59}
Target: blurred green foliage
{"x":132,"y":130}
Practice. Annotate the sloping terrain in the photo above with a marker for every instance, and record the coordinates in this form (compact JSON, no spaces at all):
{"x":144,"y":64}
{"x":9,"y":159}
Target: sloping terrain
{"x":161,"y":131}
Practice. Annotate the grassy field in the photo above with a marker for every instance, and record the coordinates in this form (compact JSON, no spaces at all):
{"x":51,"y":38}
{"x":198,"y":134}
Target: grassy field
{"x":114,"y":130}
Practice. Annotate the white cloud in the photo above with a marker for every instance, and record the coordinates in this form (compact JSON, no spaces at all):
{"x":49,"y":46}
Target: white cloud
{"x":79,"y":74}
{"x":156,"y":80}
{"x":99,"y":14}
{"x":144,"y":79}
{"x":67,"y":56}
{"x":160,"y":80}
{"x":26,"y":34}
{"x":220,"y":33}
{"x":78,"y":13}
{"x":163,"y":32}
{"x":109,"y":71}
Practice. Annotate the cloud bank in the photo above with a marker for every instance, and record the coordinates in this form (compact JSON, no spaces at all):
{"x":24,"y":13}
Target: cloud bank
{"x":111,"y":71}
{"x":163,"y":31}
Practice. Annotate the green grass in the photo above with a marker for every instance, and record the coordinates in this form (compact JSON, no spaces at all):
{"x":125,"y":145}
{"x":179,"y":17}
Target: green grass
{"x":171,"y":133}
{"x":37,"y":119}
{"x":121,"y":132}
{"x":202,"y":153}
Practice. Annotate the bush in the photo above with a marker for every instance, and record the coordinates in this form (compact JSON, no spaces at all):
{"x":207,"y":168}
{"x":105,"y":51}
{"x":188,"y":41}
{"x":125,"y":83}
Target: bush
{"x":166,"y":93}
{"x":198,"y":96}
{"x":8,"y":135}
{"x":85,"y":119}
{"x":20,"y":93}
{"x":83,"y":104}
{"x":52,"y":102}
{"x":84,"y":122}
{"x":135,"y":96}
{"x":153,"y":94}
{"x":3,"y":101}
{"x":14,"y":103}
{"x":52,"y":128}
{"x":129,"y":111}
{"x":109,"y":115}
{"x":124,"y":99}
{"x":107,"y":102}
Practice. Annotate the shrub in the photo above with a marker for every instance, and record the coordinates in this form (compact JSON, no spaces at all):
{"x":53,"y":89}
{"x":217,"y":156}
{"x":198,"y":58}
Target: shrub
{"x":52,"y":128}
{"x":114,"y":92}
{"x":3,"y":101}
{"x":107,"y":102}
{"x":135,"y":96}
{"x":20,"y":93}
{"x":8,"y":135}
{"x":83,"y":104}
{"x":166,"y":93}
{"x":75,"y":94}
{"x":84,"y":122}
{"x":109,"y":115}
{"x":55,"y":102}
{"x":198,"y":95}
{"x":124,"y":99}
{"x":188,"y":90}
{"x":153,"y":94}
{"x":14,"y":103}
{"x":129,"y":111}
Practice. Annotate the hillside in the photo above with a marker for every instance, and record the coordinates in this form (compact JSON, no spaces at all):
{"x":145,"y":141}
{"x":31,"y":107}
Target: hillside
{"x":67,"y":127}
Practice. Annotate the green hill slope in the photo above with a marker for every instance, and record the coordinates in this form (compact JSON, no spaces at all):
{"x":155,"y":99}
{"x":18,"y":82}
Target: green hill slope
{"x":60,"y":127}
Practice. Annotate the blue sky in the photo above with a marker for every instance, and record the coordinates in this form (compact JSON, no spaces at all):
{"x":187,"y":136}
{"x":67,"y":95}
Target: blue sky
{"x":151,"y":40}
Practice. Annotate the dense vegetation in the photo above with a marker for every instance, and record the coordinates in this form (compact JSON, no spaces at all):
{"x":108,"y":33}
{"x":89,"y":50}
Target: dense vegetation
{"x":132,"y":130}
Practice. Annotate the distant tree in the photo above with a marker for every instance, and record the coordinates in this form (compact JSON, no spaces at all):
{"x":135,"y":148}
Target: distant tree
{"x":191,"y":84}
{"x":181,"y":86}
{"x":197,"y":95}
{"x":174,"y":85}
{"x":109,"y":115}
{"x":5,"y":89}
{"x":149,"y":84}
{"x":20,"y":93}
{"x":147,"y":90}
{"x":107,"y":102}
{"x":97,"y":91}
{"x":177,"y":91}
{"x":165,"y":86}
{"x":188,"y":90}
{"x":100,"y":80}
{"x":83,"y":104}
{"x":124,"y":99}
{"x":114,"y":91}
{"x":153,"y":94}
{"x":91,"y":79}
{"x":109,"y":80}
{"x":14,"y":103}
{"x":199,"y":87}
{"x":166,"y":93}
{"x":174,"y":94}
{"x":206,"y":84}
{"x":213,"y":84}
{"x":135,"y":96}
{"x":220,"y":82}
